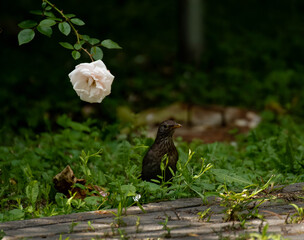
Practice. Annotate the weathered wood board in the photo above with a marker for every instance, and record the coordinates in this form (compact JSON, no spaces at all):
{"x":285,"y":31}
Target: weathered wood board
{"x":183,"y":222}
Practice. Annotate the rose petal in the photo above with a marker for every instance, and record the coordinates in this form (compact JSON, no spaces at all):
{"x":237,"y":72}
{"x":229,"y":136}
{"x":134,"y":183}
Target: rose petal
{"x":99,"y":64}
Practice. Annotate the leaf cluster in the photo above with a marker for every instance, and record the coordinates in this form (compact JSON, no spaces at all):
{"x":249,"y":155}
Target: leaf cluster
{"x":237,"y":204}
{"x":66,"y":23}
{"x":297,"y":217}
{"x":264,"y":235}
{"x":30,"y":163}
{"x":105,"y":156}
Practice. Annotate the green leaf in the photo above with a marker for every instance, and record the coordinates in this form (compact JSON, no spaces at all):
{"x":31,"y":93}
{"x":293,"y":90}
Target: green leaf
{"x":60,"y":199}
{"x":26,"y":36}
{"x":27,"y":24}
{"x":75,"y":55}
{"x":123,"y":151}
{"x":44,"y":4}
{"x":66,"y":122}
{"x":29,"y":209}
{"x":93,"y":41}
{"x":77,"y":46}
{"x":79,"y":186}
{"x":47,"y":23}
{"x":77,"y":21}
{"x":93,"y":200}
{"x":32,"y":191}
{"x":66,"y":45}
{"x":224,"y":175}
{"x":45,"y":30}
{"x":65,"y":28}
{"x":49,"y":14}
{"x":97,"y":53}
{"x":55,"y":19}
{"x":128,"y":190}
{"x":85,"y":37}
{"x":108,"y":43}
{"x":15,"y":214}
{"x":48,"y":8}
{"x":36,"y":12}
{"x":70,"y":15}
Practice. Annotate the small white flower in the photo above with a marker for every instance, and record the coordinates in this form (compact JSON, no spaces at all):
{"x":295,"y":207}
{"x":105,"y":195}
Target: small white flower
{"x":137,"y":197}
{"x":92,"y":81}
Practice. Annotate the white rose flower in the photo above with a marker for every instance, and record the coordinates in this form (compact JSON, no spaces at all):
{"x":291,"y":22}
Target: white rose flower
{"x":92,"y":81}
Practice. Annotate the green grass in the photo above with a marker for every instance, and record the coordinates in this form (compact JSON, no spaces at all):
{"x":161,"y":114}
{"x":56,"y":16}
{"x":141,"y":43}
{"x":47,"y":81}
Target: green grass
{"x":106,"y":156}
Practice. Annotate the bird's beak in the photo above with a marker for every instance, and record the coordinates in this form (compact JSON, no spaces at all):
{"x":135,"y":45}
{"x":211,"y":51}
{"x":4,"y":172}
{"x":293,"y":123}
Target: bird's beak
{"x":177,"y":125}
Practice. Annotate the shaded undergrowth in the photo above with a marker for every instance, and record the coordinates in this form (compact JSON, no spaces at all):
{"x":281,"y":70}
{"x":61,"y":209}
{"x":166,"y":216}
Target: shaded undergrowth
{"x":106,"y":157}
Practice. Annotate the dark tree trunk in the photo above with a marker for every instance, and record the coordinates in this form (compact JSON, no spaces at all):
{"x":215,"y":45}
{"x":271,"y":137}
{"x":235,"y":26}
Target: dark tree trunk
{"x":190,"y":31}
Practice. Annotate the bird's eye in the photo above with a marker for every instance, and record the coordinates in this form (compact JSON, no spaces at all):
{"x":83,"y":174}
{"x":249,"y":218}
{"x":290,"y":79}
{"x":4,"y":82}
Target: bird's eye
{"x":165,"y":127}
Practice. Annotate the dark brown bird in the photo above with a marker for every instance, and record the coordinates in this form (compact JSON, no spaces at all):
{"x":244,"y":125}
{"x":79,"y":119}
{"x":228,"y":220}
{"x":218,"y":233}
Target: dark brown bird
{"x":162,"y":145}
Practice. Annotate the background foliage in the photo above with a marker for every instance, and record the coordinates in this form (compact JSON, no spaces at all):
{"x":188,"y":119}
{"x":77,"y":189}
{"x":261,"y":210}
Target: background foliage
{"x":252,"y":57}
{"x":29,"y":163}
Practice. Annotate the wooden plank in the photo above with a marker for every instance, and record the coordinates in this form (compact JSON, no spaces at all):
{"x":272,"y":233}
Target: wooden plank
{"x":61,"y":224}
{"x":102,"y":224}
{"x":151,"y":207}
{"x":183,"y":221}
{"x":149,"y":227}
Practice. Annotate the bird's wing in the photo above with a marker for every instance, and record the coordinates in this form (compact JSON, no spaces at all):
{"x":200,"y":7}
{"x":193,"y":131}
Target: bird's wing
{"x":150,"y":159}
{"x":151,"y":166}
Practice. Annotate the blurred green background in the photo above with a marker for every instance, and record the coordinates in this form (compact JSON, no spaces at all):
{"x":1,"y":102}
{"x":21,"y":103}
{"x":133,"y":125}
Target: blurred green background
{"x":252,"y":56}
